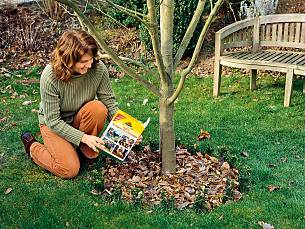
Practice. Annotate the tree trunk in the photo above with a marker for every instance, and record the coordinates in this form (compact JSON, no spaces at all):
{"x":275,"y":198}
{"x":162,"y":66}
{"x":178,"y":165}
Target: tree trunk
{"x":167,"y":134}
{"x":167,"y":137}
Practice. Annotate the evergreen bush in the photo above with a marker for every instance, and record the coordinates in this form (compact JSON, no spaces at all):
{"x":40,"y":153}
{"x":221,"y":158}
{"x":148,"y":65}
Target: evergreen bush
{"x":137,"y":5}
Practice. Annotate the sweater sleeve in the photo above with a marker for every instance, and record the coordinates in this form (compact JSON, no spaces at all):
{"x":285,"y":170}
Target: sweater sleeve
{"x":105,"y":93}
{"x":50,"y":98}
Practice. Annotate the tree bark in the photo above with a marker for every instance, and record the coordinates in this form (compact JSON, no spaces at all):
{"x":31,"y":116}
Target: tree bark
{"x":167,"y":137}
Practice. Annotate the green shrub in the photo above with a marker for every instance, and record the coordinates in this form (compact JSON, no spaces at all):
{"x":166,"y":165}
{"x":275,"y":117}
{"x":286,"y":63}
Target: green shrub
{"x":137,"y":5}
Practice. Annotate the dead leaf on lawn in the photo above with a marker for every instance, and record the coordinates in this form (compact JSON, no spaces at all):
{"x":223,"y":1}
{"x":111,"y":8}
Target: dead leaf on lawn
{"x":272,"y":165}
{"x":3,"y":119}
{"x":236,"y":195}
{"x":272,"y":188}
{"x":96,"y":204}
{"x":145,"y":102}
{"x":204,"y":135}
{"x":14,"y":124}
{"x":283,"y":159}
{"x":95,"y":192}
{"x":8,"y":191}
{"x":245,"y":154}
{"x":265,"y":225}
{"x":26,"y":103}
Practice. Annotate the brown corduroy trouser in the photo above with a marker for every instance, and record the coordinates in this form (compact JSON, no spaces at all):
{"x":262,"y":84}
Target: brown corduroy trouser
{"x":59,"y":156}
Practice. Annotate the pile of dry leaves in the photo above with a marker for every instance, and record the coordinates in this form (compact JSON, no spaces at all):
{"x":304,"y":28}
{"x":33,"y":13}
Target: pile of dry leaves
{"x":197,"y":177}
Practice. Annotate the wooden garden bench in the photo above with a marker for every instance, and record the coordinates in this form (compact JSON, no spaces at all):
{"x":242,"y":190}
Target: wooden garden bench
{"x":258,"y":44}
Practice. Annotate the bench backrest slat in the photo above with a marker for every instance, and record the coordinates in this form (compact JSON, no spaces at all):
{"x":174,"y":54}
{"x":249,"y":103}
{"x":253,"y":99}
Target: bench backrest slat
{"x":280,"y":32}
{"x":268,"y":30}
{"x":291,"y":32}
{"x":297,"y":32}
{"x":302,"y":33}
{"x":286,"y":27}
{"x":274,"y":32}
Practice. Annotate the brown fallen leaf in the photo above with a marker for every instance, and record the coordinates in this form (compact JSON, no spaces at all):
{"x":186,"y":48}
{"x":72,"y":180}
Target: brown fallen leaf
{"x":13,"y":124}
{"x":236,"y":195}
{"x":136,"y":179}
{"x":225,"y":166}
{"x":8,"y":191}
{"x":112,"y":172}
{"x":272,"y":188}
{"x":204,"y":135}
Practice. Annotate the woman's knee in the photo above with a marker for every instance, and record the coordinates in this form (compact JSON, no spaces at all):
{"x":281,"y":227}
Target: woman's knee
{"x":69,"y":170}
{"x":96,"y":109}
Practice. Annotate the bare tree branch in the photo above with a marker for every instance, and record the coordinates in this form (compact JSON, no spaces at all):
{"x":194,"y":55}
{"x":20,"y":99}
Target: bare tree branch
{"x":116,"y":21}
{"x":127,"y":11}
{"x":105,"y":47}
{"x":202,"y":36}
{"x":153,"y":31}
{"x":85,"y":7}
{"x":128,"y":60}
{"x":81,"y":22}
{"x":232,"y":10}
{"x":189,"y":32}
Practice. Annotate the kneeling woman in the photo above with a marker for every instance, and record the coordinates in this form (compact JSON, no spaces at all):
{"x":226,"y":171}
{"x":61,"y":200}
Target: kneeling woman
{"x":76,"y":100}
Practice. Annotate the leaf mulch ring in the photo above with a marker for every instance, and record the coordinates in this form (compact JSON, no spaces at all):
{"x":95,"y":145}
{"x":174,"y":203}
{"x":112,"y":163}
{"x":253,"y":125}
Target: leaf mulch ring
{"x":198,"y":178}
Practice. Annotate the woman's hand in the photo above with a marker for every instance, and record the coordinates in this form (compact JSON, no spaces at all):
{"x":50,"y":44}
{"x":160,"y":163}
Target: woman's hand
{"x":139,"y":140}
{"x":93,"y":142}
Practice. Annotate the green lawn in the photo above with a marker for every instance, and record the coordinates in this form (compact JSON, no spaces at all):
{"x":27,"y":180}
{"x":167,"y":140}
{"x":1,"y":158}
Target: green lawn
{"x":253,"y":122}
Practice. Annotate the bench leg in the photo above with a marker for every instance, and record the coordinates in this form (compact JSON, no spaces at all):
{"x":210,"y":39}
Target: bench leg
{"x":288,"y":88}
{"x":217,"y":78}
{"x":253,"y":79}
{"x":304,"y":84}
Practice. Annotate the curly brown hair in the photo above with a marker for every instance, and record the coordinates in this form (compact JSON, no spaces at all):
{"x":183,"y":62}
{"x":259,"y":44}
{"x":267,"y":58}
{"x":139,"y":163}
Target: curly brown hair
{"x":72,"y":45}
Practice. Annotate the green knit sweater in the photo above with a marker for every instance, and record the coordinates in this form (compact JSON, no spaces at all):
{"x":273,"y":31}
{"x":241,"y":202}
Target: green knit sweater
{"x":60,"y":101}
